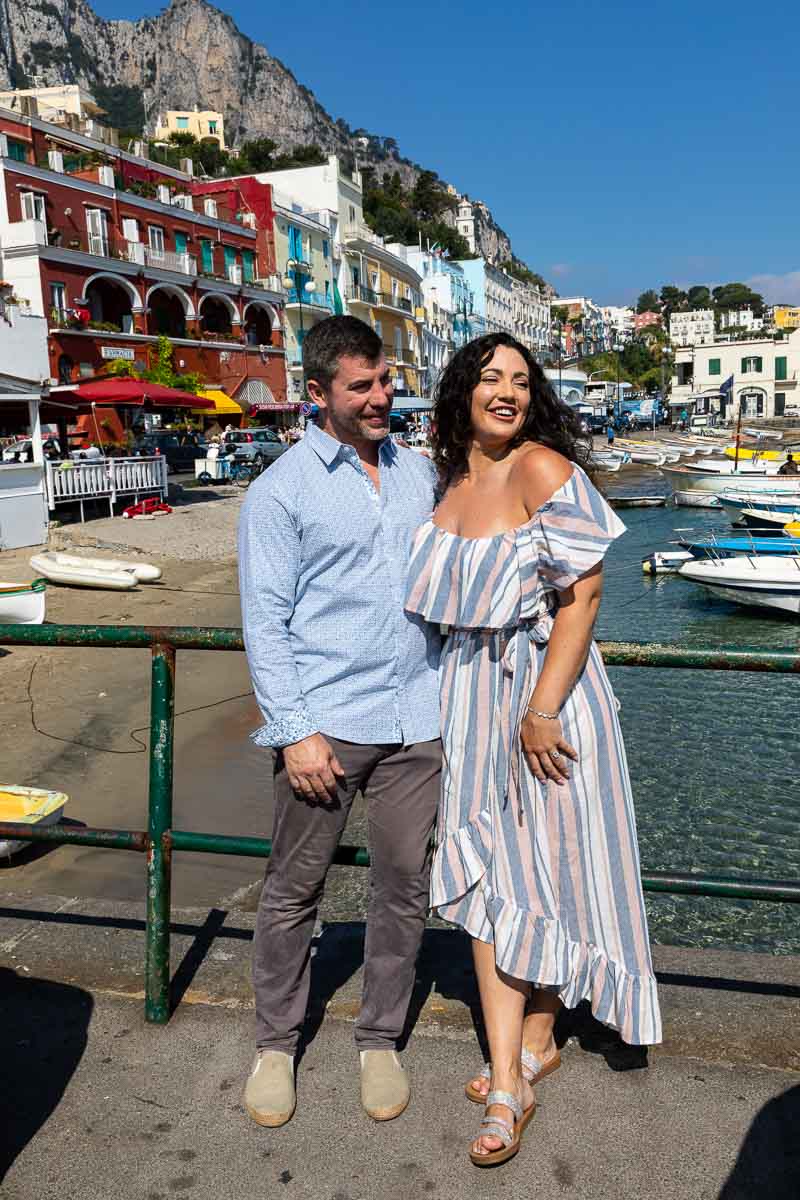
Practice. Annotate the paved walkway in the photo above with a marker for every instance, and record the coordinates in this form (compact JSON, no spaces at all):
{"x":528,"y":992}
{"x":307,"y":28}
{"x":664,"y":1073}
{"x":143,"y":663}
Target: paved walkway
{"x":95,"y":1105}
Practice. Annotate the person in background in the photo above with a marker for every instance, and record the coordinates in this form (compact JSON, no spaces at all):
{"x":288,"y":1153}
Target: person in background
{"x":610,"y":432}
{"x":790,"y":467}
{"x":347,"y":683}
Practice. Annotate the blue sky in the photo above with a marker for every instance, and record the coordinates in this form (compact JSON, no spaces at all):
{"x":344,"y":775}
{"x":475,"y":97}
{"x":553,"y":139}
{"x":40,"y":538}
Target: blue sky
{"x":621,"y":146}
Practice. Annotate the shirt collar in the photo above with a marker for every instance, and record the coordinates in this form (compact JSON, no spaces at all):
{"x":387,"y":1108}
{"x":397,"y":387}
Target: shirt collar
{"x":329,"y":448}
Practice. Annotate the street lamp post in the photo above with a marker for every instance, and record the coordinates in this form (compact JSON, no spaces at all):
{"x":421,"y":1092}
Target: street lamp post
{"x":294,"y":279}
{"x":618,"y":405}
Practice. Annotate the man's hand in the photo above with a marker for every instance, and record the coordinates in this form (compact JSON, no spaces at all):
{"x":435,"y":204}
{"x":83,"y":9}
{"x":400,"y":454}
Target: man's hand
{"x":313,"y":768}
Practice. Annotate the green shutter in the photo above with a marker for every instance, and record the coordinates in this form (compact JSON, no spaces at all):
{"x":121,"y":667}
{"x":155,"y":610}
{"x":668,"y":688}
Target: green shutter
{"x":181,"y":242}
{"x":206,"y":257}
{"x":744,"y":365}
{"x":17,"y":150}
{"x":714,"y":366}
{"x":759,"y":364}
{"x":780,"y":367}
{"x":248,"y":265}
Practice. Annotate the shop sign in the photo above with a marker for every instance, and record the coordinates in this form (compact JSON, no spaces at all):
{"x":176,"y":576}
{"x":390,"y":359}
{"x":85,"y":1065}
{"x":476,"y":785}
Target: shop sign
{"x":118,"y":352}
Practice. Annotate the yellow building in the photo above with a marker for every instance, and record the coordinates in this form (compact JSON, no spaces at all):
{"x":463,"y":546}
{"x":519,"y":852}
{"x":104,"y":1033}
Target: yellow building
{"x":384,"y":290}
{"x":786,"y":317}
{"x":205,"y":126}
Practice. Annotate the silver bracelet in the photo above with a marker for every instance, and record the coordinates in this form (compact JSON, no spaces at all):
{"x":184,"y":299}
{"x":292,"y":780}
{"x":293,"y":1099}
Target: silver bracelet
{"x":544,"y":715}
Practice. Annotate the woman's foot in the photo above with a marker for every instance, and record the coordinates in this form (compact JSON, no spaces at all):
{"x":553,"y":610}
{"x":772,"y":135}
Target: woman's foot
{"x":540,"y":1062}
{"x":487,"y":1144}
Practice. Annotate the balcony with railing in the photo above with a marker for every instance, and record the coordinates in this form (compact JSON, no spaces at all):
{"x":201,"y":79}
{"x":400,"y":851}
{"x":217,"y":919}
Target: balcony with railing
{"x":182,"y":262}
{"x":295,"y":297}
{"x":362,"y":295}
{"x":390,"y":300}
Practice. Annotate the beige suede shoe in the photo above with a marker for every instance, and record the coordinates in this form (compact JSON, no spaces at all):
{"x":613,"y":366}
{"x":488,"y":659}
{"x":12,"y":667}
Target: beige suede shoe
{"x":384,"y":1084}
{"x":269,"y":1094}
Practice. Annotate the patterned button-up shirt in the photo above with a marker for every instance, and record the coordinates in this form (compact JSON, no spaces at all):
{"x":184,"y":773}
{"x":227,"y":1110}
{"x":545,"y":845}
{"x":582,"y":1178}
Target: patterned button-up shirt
{"x":323,"y":562}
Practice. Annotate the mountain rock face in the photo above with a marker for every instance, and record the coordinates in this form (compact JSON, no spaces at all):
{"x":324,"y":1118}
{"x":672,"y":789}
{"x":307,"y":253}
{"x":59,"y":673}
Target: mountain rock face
{"x":190,"y":54}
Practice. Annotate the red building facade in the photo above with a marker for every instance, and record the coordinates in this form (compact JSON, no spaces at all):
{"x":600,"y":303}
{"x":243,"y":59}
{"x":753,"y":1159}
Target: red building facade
{"x":117,"y":250}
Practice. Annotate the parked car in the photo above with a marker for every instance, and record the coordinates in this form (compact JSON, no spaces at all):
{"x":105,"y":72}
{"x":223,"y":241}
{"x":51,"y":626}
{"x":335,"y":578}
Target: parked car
{"x":180,"y":449}
{"x":22,"y":451}
{"x":255,"y":445}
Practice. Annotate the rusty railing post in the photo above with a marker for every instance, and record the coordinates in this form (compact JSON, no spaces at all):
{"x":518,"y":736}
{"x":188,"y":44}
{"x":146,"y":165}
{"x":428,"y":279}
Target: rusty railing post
{"x":159,"y":826}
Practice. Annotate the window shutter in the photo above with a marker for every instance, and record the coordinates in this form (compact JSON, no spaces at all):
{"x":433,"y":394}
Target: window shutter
{"x":780,"y":367}
{"x":759,"y":363}
{"x":744,"y":366}
{"x":28,"y":206}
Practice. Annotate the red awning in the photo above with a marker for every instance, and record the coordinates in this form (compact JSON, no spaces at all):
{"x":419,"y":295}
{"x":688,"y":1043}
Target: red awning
{"x":133,"y":392}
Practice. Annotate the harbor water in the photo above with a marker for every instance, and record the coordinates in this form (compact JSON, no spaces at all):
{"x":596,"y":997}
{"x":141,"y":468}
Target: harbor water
{"x":712,"y":754}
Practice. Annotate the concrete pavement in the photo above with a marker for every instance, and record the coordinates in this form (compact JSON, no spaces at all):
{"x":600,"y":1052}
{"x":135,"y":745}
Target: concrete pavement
{"x":95,"y":1105}
{"x":98,"y":1107}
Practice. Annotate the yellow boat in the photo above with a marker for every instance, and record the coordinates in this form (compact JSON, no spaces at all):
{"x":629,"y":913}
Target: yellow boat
{"x":30,"y":806}
{"x":767,"y":455}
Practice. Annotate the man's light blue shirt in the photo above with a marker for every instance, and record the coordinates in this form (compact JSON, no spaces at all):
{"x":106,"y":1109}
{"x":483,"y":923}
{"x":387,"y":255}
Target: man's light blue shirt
{"x":323,"y":563}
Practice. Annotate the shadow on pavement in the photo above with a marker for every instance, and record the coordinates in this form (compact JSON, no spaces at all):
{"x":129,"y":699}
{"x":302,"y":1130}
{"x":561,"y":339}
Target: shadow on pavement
{"x":768,"y":1166}
{"x":43,"y":1034}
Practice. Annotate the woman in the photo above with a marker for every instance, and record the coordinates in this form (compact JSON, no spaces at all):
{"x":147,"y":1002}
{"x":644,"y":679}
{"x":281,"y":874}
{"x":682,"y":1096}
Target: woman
{"x":536,"y":857}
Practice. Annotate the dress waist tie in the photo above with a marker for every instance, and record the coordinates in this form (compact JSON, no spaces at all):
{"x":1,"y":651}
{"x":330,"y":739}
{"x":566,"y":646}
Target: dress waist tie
{"x":517,"y":661}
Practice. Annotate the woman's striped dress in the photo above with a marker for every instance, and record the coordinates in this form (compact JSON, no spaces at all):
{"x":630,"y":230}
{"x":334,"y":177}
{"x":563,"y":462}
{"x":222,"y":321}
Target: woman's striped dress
{"x":548,"y":873}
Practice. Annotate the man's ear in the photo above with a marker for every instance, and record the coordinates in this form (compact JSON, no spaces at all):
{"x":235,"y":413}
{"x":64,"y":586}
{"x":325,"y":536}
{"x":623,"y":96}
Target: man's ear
{"x":316,"y":393}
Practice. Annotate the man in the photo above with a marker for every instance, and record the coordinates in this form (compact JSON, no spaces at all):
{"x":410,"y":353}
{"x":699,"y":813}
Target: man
{"x":610,"y":433}
{"x":347,"y":684}
{"x":790,"y":467}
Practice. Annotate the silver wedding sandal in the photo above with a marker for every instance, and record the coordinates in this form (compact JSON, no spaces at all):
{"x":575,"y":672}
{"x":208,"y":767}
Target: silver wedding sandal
{"x":510,"y":1135}
{"x":533,"y":1069}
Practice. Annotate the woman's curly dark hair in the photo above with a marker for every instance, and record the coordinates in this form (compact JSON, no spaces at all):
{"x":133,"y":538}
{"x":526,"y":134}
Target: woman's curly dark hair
{"x":548,"y":420}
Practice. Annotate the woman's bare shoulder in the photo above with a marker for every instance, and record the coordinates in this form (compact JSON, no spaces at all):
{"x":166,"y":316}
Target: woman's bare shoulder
{"x":539,"y":472}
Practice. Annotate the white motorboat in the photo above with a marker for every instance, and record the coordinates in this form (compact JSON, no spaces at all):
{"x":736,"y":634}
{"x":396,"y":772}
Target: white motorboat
{"x":608,"y":460}
{"x":686,"y":479}
{"x":665,"y":562}
{"x":109,"y":573}
{"x":22,"y":603}
{"x":638,"y":454}
{"x":690,"y":499}
{"x":763,"y":580}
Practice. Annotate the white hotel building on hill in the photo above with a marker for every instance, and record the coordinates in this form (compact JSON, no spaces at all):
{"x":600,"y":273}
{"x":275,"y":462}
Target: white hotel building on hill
{"x":759,"y":376}
{"x":692,"y":328}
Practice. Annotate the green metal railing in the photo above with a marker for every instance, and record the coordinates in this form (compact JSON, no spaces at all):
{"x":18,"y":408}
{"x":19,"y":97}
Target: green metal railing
{"x":160,"y":839}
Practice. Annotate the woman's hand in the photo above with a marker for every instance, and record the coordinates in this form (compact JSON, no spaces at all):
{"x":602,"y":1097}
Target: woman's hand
{"x":545,"y":748}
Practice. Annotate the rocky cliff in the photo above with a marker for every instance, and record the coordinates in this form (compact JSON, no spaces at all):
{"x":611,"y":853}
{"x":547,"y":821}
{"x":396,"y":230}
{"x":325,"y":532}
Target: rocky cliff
{"x":191,"y":53}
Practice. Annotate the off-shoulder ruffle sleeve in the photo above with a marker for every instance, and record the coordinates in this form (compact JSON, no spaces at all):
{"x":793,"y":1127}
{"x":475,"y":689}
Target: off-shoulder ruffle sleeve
{"x":575,"y":528}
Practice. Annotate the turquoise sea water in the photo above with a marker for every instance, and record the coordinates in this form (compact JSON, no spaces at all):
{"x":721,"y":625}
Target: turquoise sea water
{"x":713,"y":755}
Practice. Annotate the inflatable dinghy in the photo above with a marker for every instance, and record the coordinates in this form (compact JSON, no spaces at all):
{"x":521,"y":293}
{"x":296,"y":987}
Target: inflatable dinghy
{"x":114,"y":574}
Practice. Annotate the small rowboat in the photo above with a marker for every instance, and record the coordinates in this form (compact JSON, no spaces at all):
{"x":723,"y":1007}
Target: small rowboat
{"x":114,"y":574}
{"x":22,"y":603}
{"x":29,"y":806}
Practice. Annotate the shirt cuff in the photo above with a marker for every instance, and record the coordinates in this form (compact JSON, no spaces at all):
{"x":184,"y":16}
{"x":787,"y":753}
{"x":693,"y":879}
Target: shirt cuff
{"x":285,"y":730}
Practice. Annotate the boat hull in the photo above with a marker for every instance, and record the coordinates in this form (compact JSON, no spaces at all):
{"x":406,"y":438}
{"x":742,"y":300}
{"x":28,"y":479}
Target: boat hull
{"x":29,"y":806}
{"x":697,"y":479}
{"x":111,"y":574}
{"x":761,"y":581}
{"x":696,"y":499}
{"x":22,"y":604}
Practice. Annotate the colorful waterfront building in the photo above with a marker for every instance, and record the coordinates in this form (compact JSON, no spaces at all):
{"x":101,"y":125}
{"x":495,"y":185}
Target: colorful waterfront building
{"x":305,"y":259}
{"x":786,"y":316}
{"x":116,"y":250}
{"x":370,"y":279}
{"x":757,"y":377}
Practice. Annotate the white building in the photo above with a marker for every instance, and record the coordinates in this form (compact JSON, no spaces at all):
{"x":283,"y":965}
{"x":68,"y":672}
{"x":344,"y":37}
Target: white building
{"x":619,"y":324}
{"x":692,"y":328}
{"x":758,"y":377}
{"x":740,"y":319}
{"x":465,"y":221}
{"x":531,"y":316}
{"x":590,"y":334}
